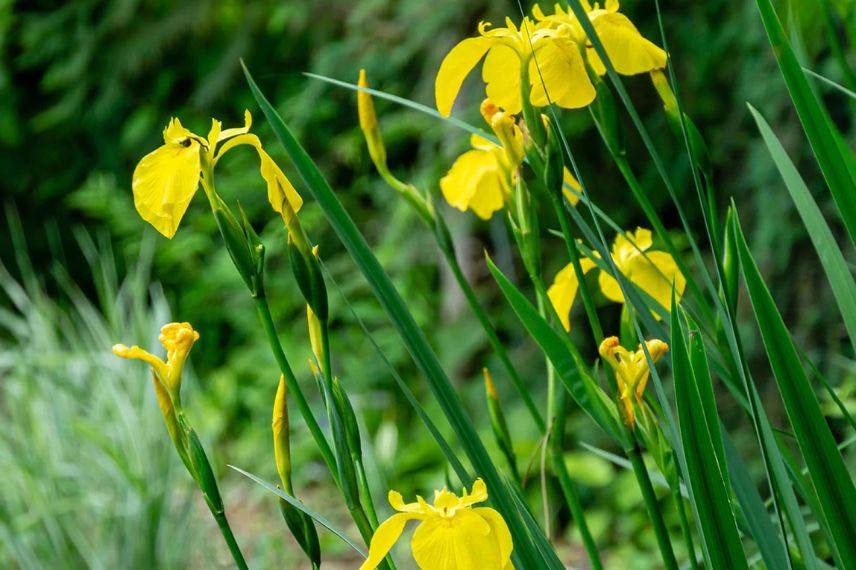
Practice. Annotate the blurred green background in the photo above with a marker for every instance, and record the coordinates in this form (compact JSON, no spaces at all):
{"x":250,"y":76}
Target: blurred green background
{"x":86,"y":88}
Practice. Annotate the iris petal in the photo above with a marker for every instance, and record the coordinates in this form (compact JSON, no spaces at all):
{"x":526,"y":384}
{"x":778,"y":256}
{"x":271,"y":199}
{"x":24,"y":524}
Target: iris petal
{"x":560,"y":76}
{"x":454,"y":69}
{"x":563,"y":291}
{"x":474,"y":182}
{"x":501,"y":74}
{"x":384,"y":538}
{"x":629,"y":52}
{"x":164,"y":182}
{"x":462,"y":542}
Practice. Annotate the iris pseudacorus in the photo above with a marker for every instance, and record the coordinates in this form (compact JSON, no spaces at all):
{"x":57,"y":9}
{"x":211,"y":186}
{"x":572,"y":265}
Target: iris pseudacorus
{"x":452,"y":534}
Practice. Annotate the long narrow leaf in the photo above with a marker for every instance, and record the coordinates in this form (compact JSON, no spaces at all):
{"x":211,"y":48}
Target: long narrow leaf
{"x":840,"y":279}
{"x":834,"y":488}
{"x":814,"y":118}
{"x":525,"y":549}
{"x":705,"y":478}
{"x":320,"y":519}
{"x":567,"y":363}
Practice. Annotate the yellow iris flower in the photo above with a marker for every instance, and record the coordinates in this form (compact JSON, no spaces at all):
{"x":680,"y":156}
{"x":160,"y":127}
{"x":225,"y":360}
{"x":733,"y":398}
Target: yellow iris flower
{"x":508,"y":55}
{"x":482,"y":179}
{"x":631,"y":372}
{"x":177,"y":339}
{"x":166,"y":179}
{"x":652,"y":271}
{"x":452,"y":535}
{"x":629,"y":51}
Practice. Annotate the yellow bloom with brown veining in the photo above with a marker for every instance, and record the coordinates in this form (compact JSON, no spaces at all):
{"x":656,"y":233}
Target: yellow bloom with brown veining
{"x":166,"y":179}
{"x":452,"y":534}
{"x":631,"y":372}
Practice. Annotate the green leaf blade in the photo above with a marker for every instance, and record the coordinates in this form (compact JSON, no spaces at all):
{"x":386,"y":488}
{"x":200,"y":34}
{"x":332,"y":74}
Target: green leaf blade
{"x":832,"y":484}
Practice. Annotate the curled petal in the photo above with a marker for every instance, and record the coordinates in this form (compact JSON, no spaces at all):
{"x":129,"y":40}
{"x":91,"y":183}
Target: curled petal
{"x":384,"y":538}
{"x":475,"y":182}
{"x":478,"y":494}
{"x":563,"y":291}
{"x":499,"y":529}
{"x":137,"y":353}
{"x":558,"y":74}
{"x":229,"y":133}
{"x":165,"y":181}
{"x":454,"y":69}
{"x":629,"y":52}
{"x":627,"y":245}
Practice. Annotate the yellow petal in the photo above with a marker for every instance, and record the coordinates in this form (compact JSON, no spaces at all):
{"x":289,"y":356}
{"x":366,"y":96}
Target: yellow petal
{"x":279,"y":188}
{"x":384,"y":538}
{"x":571,"y":188}
{"x":396,"y":501}
{"x":653,"y":272}
{"x":501,"y":74}
{"x":454,"y":69}
{"x":462,"y":542}
{"x":229,"y":133}
{"x":479,"y":142}
{"x":478,"y":494}
{"x":627,"y":245}
{"x":563,"y":291}
{"x":499,"y":529}
{"x":475,"y":182}
{"x":164,"y":182}
{"x":629,"y":52}
{"x":560,"y":67}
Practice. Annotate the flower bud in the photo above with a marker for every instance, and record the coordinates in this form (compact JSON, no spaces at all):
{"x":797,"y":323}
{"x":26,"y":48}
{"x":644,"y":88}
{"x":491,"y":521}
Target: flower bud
{"x":368,"y":124}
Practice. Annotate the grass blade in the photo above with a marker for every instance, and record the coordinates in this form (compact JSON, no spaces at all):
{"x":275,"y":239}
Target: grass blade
{"x":835,"y":491}
{"x":815,"y":121}
{"x":297,"y":504}
{"x":525,"y":549}
{"x":840,"y":279}
{"x":703,"y":453}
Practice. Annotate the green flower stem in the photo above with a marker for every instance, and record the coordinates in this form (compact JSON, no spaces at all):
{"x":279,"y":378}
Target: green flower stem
{"x":452,"y":260}
{"x":365,"y":491}
{"x":226,"y":531}
{"x":556,"y":396}
{"x":685,"y":525}
{"x":634,"y":453}
{"x":574,"y":254}
{"x":294,"y":390}
{"x":569,"y":489}
{"x":201,"y":471}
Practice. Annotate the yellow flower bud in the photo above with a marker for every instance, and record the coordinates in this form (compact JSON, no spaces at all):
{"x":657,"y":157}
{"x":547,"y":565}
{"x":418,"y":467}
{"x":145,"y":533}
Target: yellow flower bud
{"x":280,"y":428}
{"x":314,"y":326}
{"x":368,"y":124}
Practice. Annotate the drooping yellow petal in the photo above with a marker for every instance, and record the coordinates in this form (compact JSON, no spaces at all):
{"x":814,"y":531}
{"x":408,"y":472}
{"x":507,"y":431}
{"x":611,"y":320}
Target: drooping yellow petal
{"x":384,"y":538}
{"x":501,"y":74}
{"x":475,"y":182}
{"x":653,"y":272}
{"x":571,"y":187}
{"x":454,"y":69}
{"x":563,"y":291}
{"x":279,"y":188}
{"x":165,"y":181}
{"x":559,"y":68}
{"x":462,"y":542}
{"x":629,"y":52}
{"x":499,"y":529}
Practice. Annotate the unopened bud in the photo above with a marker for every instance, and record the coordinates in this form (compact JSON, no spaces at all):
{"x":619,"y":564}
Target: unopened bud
{"x":368,"y":124}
